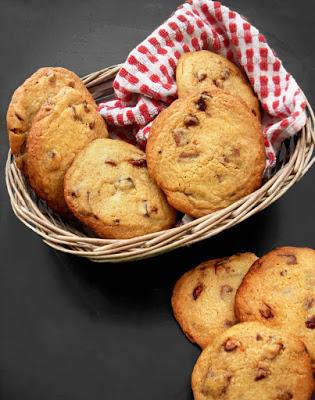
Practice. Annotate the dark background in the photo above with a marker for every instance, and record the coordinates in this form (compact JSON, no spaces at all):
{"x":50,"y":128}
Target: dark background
{"x":71,"y":329}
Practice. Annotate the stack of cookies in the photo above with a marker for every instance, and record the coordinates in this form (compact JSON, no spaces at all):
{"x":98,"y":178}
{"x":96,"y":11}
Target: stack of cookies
{"x":60,"y":142}
{"x":50,"y":119}
{"x":255,"y":321}
{"x":205,"y":150}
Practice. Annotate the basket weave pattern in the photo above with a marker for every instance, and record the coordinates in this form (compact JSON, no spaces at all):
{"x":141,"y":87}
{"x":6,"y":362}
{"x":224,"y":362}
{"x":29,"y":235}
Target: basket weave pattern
{"x":296,"y":157}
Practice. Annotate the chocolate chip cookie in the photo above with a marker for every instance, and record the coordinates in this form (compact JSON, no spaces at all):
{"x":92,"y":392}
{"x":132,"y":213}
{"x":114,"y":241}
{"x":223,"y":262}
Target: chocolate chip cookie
{"x":28,"y":99}
{"x":251,"y":361}
{"x":202,"y":70}
{"x":63,"y":126}
{"x":206,"y":151}
{"x":203,"y":298}
{"x":279,"y":291}
{"x":109,"y":189}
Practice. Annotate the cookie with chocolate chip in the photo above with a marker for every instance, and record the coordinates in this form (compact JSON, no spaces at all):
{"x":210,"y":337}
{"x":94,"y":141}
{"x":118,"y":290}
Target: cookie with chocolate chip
{"x":251,"y":361}
{"x":28,"y":99}
{"x":63,"y":126}
{"x":203,"y":298}
{"x":206,"y":151}
{"x":202,"y":70}
{"x":109,"y":189}
{"x":279,"y":291}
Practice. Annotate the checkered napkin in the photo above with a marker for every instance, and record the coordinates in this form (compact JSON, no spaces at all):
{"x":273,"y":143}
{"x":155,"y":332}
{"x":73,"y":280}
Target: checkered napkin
{"x":146,"y":84}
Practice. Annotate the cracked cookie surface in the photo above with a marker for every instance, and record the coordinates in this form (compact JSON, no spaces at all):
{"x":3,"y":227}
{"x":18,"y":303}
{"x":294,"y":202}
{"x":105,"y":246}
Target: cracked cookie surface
{"x":203,"y":298}
{"x":206,"y":151}
{"x":251,"y":361}
{"x":28,"y":99}
{"x":279,"y":291}
{"x":109,"y":189}
{"x":202,"y":70}
{"x":63,"y":126}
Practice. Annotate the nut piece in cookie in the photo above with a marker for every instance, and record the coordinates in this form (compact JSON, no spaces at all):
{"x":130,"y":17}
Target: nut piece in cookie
{"x":279,"y":291}
{"x":60,"y":129}
{"x":119,"y":199}
{"x":203,"y":298}
{"x":29,"y":98}
{"x":202,"y":70}
{"x":236,"y":365}
{"x":213,"y":152}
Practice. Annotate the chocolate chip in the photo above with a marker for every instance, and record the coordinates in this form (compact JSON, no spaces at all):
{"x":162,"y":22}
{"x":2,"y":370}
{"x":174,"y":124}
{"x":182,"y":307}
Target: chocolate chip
{"x":92,"y":124}
{"x":220,"y":264}
{"x":140,"y":163}
{"x":310,"y":322}
{"x":228,"y":323}
{"x":225,"y":289}
{"x":284,"y":272}
{"x":116,"y":221}
{"x":87,"y":214}
{"x":291,"y":258}
{"x":75,"y":194}
{"x":188,"y":155}
{"x":272,"y":350}
{"x":146,"y":212}
{"x":236,"y":152}
{"x":259,"y":337}
{"x":226,"y":159}
{"x":225,"y":74}
{"x":266,"y":312}
{"x":18,"y":116}
{"x":76,"y":116}
{"x":219,"y":178}
{"x":197,"y":291}
{"x":85,"y":107}
{"x":191,"y":120}
{"x":52,"y":78}
{"x":201,"y":103}
{"x":218,"y":83}
{"x":309,"y":303}
{"x":71,"y":84}
{"x":52,"y":154}
{"x":201,"y":75}
{"x":111,"y":162}
{"x":262,"y":373}
{"x":16,"y":131}
{"x":124,"y":183}
{"x":285,"y":396}
{"x":180,"y":138}
{"x":231,"y":344}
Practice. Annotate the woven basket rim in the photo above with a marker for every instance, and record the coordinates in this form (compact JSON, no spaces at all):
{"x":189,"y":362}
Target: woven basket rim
{"x":60,"y":236}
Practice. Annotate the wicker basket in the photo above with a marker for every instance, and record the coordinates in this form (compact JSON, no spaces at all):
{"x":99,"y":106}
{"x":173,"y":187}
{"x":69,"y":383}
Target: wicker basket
{"x":296,"y":157}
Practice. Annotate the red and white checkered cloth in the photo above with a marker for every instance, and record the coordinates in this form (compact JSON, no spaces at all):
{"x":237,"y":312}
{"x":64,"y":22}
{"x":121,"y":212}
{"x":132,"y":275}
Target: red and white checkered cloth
{"x":146,"y":84}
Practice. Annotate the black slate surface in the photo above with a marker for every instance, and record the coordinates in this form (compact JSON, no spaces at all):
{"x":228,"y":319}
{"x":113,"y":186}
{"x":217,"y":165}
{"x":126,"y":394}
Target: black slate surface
{"x":71,"y":329}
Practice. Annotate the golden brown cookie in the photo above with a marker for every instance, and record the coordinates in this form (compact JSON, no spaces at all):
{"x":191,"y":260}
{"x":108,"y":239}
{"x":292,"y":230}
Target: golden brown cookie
{"x":63,"y":126}
{"x":205,"y":152}
{"x":202,"y":70}
{"x":109,"y":189}
{"x":203,"y":298}
{"x":29,"y":97}
{"x":279,"y":291}
{"x":251,"y":361}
